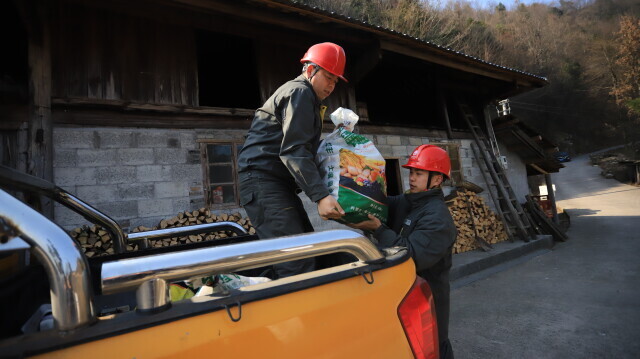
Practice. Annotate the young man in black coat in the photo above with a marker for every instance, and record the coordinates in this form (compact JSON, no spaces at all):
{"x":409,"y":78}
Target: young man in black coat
{"x":277,"y":159}
{"x":420,"y":221}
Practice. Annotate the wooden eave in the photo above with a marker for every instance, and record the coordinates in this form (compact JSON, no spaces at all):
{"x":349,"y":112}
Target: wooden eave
{"x":404,"y":44}
{"x":390,"y":40}
{"x":528,"y":144}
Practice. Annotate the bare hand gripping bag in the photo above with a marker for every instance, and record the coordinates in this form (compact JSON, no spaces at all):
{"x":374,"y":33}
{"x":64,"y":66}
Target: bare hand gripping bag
{"x":353,"y":170}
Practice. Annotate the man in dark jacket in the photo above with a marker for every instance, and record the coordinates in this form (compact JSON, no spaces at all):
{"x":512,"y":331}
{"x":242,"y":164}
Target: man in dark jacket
{"x":420,"y":221}
{"x":277,"y":159}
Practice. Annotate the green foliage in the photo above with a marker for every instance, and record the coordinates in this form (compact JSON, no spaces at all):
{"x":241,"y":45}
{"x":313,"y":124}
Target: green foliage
{"x":572,"y":43}
{"x":634,"y":105}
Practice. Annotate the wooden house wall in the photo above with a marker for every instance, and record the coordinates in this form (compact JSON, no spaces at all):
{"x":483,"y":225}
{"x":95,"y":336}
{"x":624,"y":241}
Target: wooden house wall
{"x":105,"y":55}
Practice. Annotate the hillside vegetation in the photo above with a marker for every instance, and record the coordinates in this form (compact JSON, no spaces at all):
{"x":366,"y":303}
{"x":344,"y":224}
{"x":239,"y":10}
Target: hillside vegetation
{"x":588,"y":50}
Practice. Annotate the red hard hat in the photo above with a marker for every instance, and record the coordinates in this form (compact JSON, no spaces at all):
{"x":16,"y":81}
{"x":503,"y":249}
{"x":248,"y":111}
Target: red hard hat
{"x":329,"y":56}
{"x":430,"y":158}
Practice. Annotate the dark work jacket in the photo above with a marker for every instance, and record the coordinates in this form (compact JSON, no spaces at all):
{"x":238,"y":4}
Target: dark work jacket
{"x":422,"y":223}
{"x":284,"y":138}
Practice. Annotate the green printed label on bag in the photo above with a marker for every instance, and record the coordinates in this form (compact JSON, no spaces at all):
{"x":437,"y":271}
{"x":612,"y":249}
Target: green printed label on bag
{"x":352,"y":139}
{"x":357,"y":206}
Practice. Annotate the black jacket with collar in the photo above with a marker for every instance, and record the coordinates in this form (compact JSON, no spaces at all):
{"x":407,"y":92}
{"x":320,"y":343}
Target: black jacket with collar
{"x":422,"y":223}
{"x":284,"y":138}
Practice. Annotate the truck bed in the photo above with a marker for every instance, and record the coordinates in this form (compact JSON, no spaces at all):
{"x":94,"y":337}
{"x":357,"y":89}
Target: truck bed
{"x":329,"y":313}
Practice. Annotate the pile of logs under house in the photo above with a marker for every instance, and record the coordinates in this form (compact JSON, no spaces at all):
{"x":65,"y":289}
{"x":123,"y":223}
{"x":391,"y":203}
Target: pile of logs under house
{"x":477,"y":225}
{"x":96,"y":241}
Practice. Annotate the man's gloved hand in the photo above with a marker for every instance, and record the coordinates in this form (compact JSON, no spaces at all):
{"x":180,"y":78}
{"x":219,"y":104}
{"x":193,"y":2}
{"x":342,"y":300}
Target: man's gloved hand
{"x":328,"y":208}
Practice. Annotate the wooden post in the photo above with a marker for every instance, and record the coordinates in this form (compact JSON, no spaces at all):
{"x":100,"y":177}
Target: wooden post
{"x":39,"y":142}
{"x":445,"y":113}
{"x":552,"y":198}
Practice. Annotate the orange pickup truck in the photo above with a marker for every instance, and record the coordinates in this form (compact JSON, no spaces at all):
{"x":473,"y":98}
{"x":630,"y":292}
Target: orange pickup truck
{"x":118,"y":306}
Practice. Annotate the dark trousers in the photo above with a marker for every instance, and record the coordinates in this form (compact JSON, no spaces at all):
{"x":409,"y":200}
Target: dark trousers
{"x":275,"y":210}
{"x":446,"y":351}
{"x":441,"y":290}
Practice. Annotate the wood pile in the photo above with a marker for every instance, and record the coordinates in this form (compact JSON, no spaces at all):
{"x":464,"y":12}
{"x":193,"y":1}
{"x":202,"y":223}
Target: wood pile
{"x":473,"y":218}
{"x":95,"y":240}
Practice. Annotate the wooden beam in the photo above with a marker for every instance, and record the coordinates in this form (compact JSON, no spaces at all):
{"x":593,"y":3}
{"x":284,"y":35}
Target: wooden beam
{"x":537,"y":168}
{"x":552,"y":198}
{"x":39,"y":147}
{"x":444,"y":58}
{"x":142,"y":119}
{"x":445,"y":113}
{"x":505,"y":124}
{"x":121,"y":105}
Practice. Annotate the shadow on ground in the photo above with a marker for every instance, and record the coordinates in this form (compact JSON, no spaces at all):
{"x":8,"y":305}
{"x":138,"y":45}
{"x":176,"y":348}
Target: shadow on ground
{"x":576,"y":212}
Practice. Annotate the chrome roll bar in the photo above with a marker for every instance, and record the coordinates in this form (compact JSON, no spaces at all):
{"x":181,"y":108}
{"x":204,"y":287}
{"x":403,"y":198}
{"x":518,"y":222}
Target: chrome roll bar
{"x":34,"y":184}
{"x":95,"y":216}
{"x":145,"y":236}
{"x":149,"y":273}
{"x":43,"y":187}
{"x":67,"y":268}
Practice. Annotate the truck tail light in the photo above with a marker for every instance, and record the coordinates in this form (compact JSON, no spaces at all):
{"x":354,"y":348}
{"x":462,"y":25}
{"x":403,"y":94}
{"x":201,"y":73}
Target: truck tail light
{"x":418,"y":317}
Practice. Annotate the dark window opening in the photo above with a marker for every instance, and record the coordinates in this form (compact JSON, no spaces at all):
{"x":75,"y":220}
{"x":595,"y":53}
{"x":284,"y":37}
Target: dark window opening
{"x":221,"y":182}
{"x":394,"y":179}
{"x":14,"y":62}
{"x":453,"y":111}
{"x":402,"y":91}
{"x":456,"y":117}
{"x":227,"y":71}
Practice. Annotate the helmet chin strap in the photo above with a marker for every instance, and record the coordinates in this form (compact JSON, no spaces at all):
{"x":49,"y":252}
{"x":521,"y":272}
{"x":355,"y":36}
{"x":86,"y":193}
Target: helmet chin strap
{"x":429,"y":181}
{"x":316,"y":68}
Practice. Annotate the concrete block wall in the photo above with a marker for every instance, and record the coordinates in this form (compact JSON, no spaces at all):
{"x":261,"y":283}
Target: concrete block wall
{"x":140,"y":176}
{"x":516,"y":173}
{"x":136,"y":176}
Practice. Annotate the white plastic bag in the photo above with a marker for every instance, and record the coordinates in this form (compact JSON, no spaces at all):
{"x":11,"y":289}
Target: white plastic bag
{"x":223,"y":283}
{"x":353,"y":170}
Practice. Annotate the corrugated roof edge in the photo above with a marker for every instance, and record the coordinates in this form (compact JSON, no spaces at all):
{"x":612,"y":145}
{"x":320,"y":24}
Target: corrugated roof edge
{"x":300,"y":5}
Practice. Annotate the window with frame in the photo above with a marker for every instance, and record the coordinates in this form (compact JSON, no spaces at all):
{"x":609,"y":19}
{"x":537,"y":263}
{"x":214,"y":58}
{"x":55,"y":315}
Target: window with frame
{"x":453,"y":149}
{"x":220,"y":168}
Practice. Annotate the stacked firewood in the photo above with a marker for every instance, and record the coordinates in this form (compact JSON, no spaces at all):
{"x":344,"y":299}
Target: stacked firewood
{"x":478,"y":226}
{"x":95,"y":240}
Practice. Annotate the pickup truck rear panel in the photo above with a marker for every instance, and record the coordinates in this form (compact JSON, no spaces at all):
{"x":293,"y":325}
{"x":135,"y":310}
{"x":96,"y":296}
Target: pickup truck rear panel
{"x":348,"y":310}
{"x":347,"y":318}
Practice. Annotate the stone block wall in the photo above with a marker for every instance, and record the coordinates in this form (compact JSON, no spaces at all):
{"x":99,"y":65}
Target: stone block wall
{"x":135,"y":176}
{"x":140,"y":176}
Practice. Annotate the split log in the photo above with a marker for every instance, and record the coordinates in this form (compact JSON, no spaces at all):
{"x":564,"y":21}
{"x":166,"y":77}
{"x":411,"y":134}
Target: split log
{"x":96,"y":241}
{"x":475,"y":222}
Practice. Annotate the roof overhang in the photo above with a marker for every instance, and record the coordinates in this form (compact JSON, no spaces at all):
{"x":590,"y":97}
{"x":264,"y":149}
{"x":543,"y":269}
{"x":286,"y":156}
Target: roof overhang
{"x":534,"y":150}
{"x":308,"y":18}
